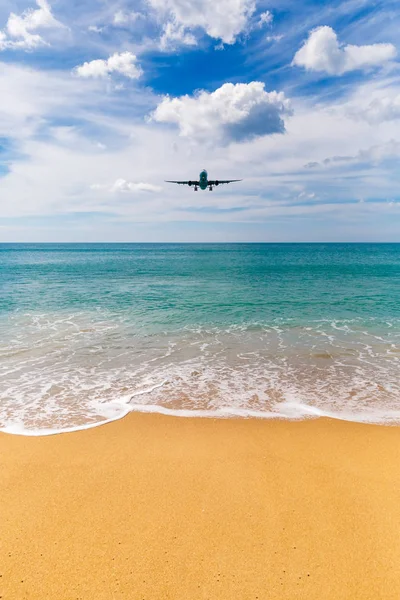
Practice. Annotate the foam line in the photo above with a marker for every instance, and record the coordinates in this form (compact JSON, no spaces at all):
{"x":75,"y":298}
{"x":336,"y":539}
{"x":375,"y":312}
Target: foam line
{"x":290,"y":411}
{"x":19,"y":430}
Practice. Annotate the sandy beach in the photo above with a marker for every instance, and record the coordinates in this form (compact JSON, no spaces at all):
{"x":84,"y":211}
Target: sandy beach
{"x":154,"y":507}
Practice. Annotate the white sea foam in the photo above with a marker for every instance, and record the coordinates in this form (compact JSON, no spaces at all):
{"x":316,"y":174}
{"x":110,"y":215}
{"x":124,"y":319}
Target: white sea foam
{"x":288,"y":411}
{"x":72,"y":372}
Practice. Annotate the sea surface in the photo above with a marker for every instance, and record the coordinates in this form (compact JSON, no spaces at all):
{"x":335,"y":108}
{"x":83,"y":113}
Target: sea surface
{"x":91,"y":332}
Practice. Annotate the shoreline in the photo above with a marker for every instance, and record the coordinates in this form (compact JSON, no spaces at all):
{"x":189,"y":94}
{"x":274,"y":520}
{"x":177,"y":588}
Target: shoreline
{"x":226,"y":414}
{"x":157,"y":507}
{"x":45,"y":433}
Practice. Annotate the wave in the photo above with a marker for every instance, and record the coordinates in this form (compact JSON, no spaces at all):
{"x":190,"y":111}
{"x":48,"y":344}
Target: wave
{"x":62,"y":373}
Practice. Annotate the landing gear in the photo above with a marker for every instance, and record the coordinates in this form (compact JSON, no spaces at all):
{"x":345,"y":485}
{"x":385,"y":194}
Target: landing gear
{"x":210,"y":188}
{"x":195,"y":188}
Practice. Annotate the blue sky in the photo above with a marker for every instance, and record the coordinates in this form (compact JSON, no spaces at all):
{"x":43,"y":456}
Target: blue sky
{"x":100,"y":102}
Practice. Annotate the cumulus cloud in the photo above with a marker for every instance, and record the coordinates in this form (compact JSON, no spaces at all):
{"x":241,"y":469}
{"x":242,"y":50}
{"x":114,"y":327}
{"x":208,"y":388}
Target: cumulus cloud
{"x":234,"y":112}
{"x":53,"y":126}
{"x":21,"y":30}
{"x":122,"y":185}
{"x":379,"y":110}
{"x":95,"y":29}
{"x":176,"y":35}
{"x":380,"y":152}
{"x":266,"y":18}
{"x":222,"y":19}
{"x":121,"y":18}
{"x":322,"y":52}
{"x":124,"y":64}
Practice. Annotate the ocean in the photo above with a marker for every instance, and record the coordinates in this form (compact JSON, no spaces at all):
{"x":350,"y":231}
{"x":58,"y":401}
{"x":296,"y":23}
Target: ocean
{"x":91,"y":332}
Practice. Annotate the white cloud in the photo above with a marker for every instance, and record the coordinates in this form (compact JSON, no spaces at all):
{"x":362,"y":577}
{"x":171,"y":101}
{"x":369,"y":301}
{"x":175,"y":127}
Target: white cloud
{"x":95,"y":29}
{"x":20,"y":31}
{"x":122,"y":18}
{"x":373,"y":155}
{"x":124,"y":64}
{"x":380,"y":110}
{"x":234,"y":112}
{"x":32,"y":98}
{"x":380,"y":152}
{"x":274,"y":38}
{"x":222,"y":19}
{"x":266,"y":18}
{"x":122,"y":185}
{"x":322,"y":52}
{"x":175,"y":35}
{"x":51,"y":168}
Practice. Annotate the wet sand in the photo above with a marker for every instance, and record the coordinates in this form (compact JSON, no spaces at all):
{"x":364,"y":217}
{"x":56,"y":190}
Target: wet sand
{"x":154,"y":507}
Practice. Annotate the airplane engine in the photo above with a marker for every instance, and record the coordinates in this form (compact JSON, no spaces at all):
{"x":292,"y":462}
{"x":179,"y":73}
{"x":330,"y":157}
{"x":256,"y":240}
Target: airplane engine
{"x":217,"y":182}
{"x":190,"y":183}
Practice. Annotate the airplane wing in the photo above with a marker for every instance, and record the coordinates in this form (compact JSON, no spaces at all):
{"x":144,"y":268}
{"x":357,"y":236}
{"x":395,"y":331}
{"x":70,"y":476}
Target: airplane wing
{"x":184,"y":182}
{"x":219,"y":181}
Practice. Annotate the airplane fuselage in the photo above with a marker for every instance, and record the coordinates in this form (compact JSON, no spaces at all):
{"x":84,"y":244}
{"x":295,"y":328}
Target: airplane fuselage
{"x":203,"y":180}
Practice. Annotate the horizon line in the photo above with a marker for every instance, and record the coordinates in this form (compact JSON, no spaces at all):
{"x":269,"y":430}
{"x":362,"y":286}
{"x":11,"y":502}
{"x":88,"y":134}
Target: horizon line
{"x":199,"y":242}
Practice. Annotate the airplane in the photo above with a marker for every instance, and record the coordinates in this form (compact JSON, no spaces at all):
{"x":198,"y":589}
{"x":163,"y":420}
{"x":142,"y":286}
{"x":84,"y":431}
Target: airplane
{"x":204,"y":182}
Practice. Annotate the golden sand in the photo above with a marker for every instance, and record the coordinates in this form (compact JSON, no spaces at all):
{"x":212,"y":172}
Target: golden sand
{"x":155,"y":507}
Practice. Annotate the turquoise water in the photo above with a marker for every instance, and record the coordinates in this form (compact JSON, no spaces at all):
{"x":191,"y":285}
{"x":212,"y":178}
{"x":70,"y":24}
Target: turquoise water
{"x":91,"y":332}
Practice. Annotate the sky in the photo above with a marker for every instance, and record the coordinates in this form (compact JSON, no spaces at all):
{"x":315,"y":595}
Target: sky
{"x":101,"y":102}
